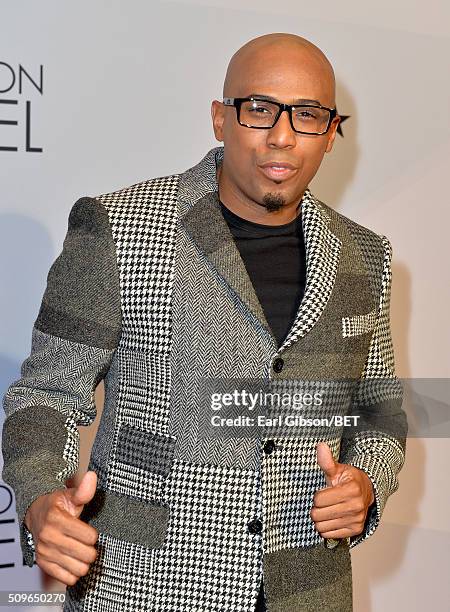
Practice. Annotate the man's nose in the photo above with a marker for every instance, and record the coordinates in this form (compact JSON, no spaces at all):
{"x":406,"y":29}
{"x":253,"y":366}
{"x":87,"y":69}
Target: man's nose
{"x":282,"y":133}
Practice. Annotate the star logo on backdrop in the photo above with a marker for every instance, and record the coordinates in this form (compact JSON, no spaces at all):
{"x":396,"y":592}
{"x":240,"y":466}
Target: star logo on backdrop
{"x":343,"y":118}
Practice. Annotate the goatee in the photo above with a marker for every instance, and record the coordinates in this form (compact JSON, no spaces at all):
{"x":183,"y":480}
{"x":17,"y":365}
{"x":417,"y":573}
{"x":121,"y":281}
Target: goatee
{"x":273,"y":201}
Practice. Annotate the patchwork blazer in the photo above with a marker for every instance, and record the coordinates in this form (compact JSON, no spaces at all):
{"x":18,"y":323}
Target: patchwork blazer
{"x":151,"y":294}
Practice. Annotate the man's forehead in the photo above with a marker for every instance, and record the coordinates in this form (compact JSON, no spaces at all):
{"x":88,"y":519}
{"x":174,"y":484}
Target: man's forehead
{"x":273,"y":76}
{"x":274,"y":98}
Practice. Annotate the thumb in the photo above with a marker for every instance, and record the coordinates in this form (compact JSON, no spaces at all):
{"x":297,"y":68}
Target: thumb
{"x":83,"y":493}
{"x":327,"y":463}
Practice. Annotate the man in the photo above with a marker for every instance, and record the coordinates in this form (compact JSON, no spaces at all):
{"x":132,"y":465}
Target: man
{"x":230,"y":270}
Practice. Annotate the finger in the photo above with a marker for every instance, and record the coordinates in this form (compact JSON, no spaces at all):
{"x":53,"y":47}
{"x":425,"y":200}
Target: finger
{"x":328,"y":526}
{"x":327,"y":462}
{"x":51,"y":554}
{"x":79,"y":530}
{"x":345,"y":532}
{"x":72,"y":565}
{"x":78,"y":550}
{"x":64,"y":522}
{"x":84,"y":491}
{"x":327,"y":513}
{"x":330,"y":496}
{"x":53,"y":569}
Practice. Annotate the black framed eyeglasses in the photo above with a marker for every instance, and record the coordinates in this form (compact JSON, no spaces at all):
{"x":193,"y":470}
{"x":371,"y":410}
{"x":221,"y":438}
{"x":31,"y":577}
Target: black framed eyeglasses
{"x":263,"y":114}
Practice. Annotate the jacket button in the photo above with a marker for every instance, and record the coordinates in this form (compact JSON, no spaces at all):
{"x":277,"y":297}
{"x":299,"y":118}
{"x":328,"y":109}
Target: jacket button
{"x":278,"y":364}
{"x":255,"y":526}
{"x":269,"y":447}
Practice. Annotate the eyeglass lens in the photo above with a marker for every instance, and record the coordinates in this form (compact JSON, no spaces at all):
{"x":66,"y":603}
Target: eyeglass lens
{"x":259,"y":113}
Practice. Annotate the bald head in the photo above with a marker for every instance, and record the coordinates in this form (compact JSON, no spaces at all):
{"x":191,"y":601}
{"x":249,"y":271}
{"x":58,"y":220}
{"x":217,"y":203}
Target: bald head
{"x":279,"y":58}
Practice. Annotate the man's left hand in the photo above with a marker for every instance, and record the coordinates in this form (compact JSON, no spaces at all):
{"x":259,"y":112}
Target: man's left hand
{"x":340,"y":509}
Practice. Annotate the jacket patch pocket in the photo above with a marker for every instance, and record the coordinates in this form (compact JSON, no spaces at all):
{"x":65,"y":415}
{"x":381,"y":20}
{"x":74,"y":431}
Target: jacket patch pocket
{"x":126,"y":518}
{"x":145,"y":450}
{"x":359,"y":324}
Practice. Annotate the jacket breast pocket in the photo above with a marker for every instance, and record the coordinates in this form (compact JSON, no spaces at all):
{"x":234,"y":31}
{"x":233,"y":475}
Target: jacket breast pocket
{"x":355,"y":325}
{"x":128,"y":519}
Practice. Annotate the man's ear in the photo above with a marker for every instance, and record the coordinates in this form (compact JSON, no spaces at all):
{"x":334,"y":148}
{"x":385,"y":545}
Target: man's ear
{"x":332,"y":133}
{"x":218,"y":116}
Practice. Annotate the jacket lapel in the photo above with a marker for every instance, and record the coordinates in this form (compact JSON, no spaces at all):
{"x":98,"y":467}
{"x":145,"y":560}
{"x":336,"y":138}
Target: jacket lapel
{"x":323,"y":249}
{"x":203,"y":221}
{"x":207,"y":227}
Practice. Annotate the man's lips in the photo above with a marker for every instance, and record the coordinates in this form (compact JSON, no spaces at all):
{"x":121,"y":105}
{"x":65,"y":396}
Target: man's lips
{"x":277,"y":171}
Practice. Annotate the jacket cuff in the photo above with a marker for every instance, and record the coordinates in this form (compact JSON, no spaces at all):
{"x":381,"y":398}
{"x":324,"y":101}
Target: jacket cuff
{"x":33,"y":444}
{"x":30,"y":480}
{"x":378,"y":472}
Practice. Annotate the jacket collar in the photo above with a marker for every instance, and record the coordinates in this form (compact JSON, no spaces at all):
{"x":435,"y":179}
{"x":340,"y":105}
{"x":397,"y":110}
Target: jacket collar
{"x":203,"y":221}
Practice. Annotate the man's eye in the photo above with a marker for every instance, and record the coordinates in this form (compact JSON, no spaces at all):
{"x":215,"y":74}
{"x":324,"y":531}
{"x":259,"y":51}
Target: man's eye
{"x":259,"y":109}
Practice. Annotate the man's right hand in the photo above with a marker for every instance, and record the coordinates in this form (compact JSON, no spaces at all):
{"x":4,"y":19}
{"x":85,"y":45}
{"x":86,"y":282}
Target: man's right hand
{"x":64,"y":544}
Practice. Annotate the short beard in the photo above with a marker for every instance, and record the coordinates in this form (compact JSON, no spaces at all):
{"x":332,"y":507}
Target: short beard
{"x":273,"y":201}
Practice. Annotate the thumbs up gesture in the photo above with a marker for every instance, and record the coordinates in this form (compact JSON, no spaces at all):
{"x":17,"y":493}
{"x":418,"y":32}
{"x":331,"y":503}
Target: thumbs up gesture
{"x":76,"y":497}
{"x":64,"y":544}
{"x":340,"y":509}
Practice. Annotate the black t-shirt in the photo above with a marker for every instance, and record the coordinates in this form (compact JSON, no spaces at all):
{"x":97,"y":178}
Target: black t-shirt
{"x":275,"y":259}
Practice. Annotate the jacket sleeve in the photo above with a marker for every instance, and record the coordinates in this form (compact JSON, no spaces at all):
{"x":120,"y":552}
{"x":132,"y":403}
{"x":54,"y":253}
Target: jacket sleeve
{"x":377,"y":444}
{"x":73,"y":341}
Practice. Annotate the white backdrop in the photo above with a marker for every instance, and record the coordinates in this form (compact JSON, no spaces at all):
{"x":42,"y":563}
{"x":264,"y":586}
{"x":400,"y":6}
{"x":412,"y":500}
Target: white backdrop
{"x":111,"y":73}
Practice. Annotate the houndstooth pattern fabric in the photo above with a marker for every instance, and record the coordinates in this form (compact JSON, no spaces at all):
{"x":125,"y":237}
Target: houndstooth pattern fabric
{"x":146,"y":294}
{"x":71,"y":450}
{"x":358,"y":324}
{"x":210,"y":561}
